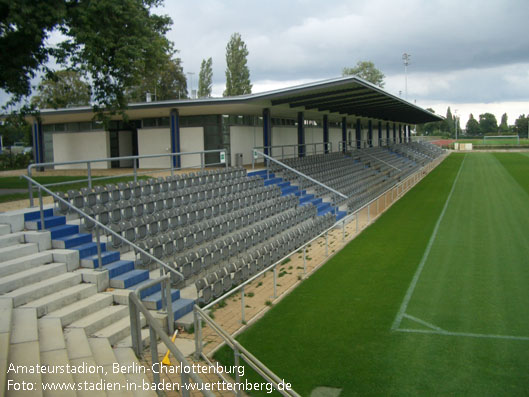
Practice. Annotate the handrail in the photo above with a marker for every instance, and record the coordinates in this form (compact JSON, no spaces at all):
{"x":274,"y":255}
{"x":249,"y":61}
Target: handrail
{"x":240,"y":351}
{"x":136,"y":304}
{"x":300,"y":174}
{"x":135,"y":172}
{"x":392,"y":166}
{"x":100,"y":225}
{"x":326,"y":146}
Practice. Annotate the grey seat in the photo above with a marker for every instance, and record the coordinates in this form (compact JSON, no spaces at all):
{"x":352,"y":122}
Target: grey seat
{"x":125,"y":191}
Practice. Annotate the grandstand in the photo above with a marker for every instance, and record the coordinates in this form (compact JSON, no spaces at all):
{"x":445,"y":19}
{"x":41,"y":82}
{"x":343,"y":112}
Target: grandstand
{"x":67,"y":270}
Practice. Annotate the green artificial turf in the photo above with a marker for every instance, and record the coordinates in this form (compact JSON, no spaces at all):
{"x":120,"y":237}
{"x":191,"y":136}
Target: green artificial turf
{"x":335,"y":328}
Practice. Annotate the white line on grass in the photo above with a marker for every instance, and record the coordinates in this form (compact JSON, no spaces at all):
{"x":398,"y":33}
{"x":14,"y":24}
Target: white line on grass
{"x":411,"y":288}
{"x":465,"y":334}
{"x":425,"y":323}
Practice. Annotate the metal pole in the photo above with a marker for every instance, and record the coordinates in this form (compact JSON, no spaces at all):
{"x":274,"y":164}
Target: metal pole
{"x":185,"y":381}
{"x":98,"y":239}
{"x":168,"y":299}
{"x":202,"y":160}
{"x":30,"y":188}
{"x":368,"y":214}
{"x":356,"y":216}
{"x":305,"y":260}
{"x":236,"y":362}
{"x":41,"y":209}
{"x":275,"y":281}
{"x":154,"y":353}
{"x":326,"y":243}
{"x":343,"y":230}
{"x":135,"y":170}
{"x":242,"y":305}
{"x":89,"y":174}
{"x":196,"y":321}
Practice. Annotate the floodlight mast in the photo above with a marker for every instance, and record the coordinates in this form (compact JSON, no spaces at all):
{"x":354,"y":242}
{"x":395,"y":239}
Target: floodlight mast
{"x":406,"y":58}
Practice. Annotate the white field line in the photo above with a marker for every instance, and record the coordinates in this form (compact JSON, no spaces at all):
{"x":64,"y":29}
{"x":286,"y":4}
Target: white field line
{"x":413,"y":284}
{"x":425,"y":323}
{"x":464,"y":334}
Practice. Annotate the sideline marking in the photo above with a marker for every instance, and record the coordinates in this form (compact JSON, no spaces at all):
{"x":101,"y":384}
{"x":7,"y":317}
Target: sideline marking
{"x":411,"y":288}
{"x":465,"y":334}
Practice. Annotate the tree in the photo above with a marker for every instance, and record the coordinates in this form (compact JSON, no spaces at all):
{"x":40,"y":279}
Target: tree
{"x":110,"y":43}
{"x":366,"y":70}
{"x":504,"y":126}
{"x":448,"y":123}
{"x":205,"y":78}
{"x":431,"y":128}
{"x":521,"y":126}
{"x":488,"y":123}
{"x":15,"y":128}
{"x":237,"y":72}
{"x":168,"y":81}
{"x":472,"y":126}
{"x":63,"y":90}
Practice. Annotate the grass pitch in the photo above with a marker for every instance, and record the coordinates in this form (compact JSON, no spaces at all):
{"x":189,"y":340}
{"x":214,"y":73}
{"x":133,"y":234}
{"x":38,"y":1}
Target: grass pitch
{"x":432,"y":299}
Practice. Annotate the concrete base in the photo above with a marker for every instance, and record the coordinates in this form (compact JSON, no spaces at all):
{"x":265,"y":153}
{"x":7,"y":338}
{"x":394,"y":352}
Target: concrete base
{"x":99,"y":278}
{"x":69,"y":257}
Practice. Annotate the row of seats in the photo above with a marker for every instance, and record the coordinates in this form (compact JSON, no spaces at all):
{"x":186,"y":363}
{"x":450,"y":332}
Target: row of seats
{"x":214,"y":284}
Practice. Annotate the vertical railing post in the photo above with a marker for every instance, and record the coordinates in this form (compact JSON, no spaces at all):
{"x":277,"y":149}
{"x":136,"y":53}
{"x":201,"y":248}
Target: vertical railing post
{"x":185,"y":385}
{"x":89,"y":174}
{"x":135,"y":328}
{"x":197,"y":321}
{"x":154,"y":353}
{"x":237,"y":375}
{"x":356,"y":216}
{"x":275,"y":281}
{"x":41,"y":209}
{"x":305,"y":260}
{"x":327,"y":243}
{"x":242,"y":305}
{"x":343,"y":230}
{"x":169,"y":303}
{"x":98,"y":240}
{"x":253,"y":159}
{"x":30,"y":188}
{"x":202,"y":160}
{"x":135,"y":169}
{"x":368,"y":214}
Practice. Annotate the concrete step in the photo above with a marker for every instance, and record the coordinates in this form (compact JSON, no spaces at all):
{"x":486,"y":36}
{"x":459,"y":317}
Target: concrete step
{"x":104,"y":355}
{"x":89,"y":249}
{"x":57,"y":358}
{"x":50,"y":334}
{"x":4,"y":229}
{"x":148,"y":291}
{"x":11,"y":239}
{"x":24,"y":262}
{"x":62,"y":298}
{"x":272,"y":181}
{"x":30,"y":276}
{"x":107,"y":257}
{"x":306,"y":198}
{"x":340,"y":215}
{"x":63,"y":230}
{"x":6,"y":314}
{"x":118,"y":267}
{"x":129,"y":279}
{"x":154,"y":301}
{"x":118,"y":330}
{"x":24,"y":350}
{"x":145,"y":339}
{"x":42,"y":288}
{"x":82,"y":308}
{"x":125,"y":356}
{"x":35,"y":215}
{"x":181,"y":307}
{"x":49,"y":221}
{"x":17,"y":251}
{"x":101,"y":319}
{"x":72,"y":240}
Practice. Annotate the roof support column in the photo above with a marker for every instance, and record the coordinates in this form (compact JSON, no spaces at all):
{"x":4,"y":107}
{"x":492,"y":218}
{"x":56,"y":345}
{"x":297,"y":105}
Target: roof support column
{"x":175,"y":137}
{"x":344,"y":134}
{"x":301,"y":134}
{"x":400,"y":133}
{"x":358,"y":134}
{"x":394,"y":133}
{"x":326,"y":133}
{"x":267,"y":130}
{"x":370,"y":133}
{"x":380,"y":133}
{"x":387,"y":134}
{"x":38,"y":149}
{"x":407,"y":133}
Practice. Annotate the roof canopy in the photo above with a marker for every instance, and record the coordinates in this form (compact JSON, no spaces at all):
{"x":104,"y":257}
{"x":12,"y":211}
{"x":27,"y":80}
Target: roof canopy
{"x":349,"y":97}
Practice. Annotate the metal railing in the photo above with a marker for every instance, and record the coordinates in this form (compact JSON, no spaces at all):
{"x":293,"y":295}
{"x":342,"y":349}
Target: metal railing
{"x":296,"y":149}
{"x":156,"y":331}
{"x":98,"y":225}
{"x":269,"y":159}
{"x":172,"y":157}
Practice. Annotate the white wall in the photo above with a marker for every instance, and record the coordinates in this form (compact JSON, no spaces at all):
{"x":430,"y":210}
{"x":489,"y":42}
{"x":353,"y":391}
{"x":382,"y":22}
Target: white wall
{"x":191,"y":140}
{"x":284,"y":136}
{"x":154,"y":141}
{"x":125,"y":148}
{"x":243,"y":139}
{"x":73,"y":146}
{"x":335,"y":136}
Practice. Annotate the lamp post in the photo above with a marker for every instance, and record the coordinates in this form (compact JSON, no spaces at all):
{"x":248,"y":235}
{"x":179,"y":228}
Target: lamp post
{"x":191,"y":83}
{"x":406,"y":58}
{"x":455,"y":121}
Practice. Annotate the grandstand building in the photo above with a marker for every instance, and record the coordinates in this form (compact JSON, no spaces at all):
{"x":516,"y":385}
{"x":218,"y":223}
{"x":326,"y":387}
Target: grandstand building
{"x":346,"y":109}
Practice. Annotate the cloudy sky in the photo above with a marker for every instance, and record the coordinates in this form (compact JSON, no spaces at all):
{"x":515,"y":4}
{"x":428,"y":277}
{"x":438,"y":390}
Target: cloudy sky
{"x":472,"y":55}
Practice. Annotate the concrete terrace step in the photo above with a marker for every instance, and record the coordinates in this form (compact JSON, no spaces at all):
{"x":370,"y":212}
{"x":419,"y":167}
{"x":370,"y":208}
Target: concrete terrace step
{"x":306,"y":198}
{"x":107,"y":257}
{"x":62,"y":298}
{"x":148,"y":291}
{"x":125,"y":356}
{"x":63,"y":230}
{"x":4,"y":229}
{"x":104,"y":355}
{"x":24,"y":262}
{"x":24,"y":349}
{"x":145,"y":339}
{"x":272,"y":181}
{"x":17,"y":251}
{"x":118,"y":330}
{"x":129,"y":279}
{"x":30,"y":276}
{"x":340,"y":215}
{"x":75,"y":311}
{"x":154,"y":301}
{"x":42,"y":288}
{"x":6,"y":314}
{"x":181,"y":307}
{"x":11,"y":239}
{"x":89,"y":249}
{"x":72,"y":240}
{"x":101,"y":319}
{"x":49,"y":221}
{"x":35,"y":215}
{"x":119,"y":267}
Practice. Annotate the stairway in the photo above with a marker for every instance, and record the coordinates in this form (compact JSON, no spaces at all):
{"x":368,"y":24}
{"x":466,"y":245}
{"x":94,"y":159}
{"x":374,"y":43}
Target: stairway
{"x":122,"y":273}
{"x":305,"y":198}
